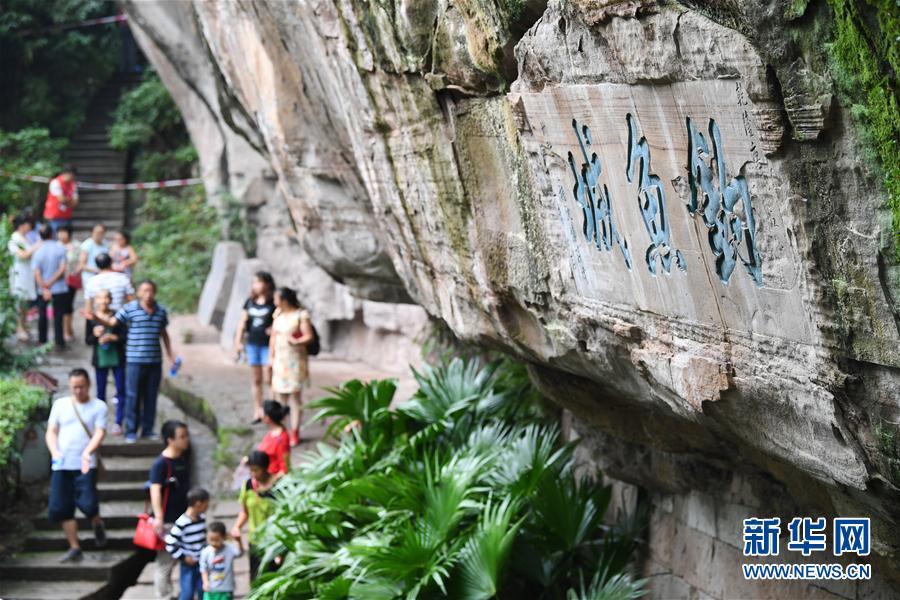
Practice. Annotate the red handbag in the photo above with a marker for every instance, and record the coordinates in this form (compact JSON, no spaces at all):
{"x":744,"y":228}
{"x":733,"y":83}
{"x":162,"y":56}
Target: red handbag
{"x":145,"y":535}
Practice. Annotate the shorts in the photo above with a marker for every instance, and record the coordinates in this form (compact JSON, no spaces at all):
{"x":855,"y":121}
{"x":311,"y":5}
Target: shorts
{"x":71,"y":489}
{"x":68,"y":304}
{"x":257,"y":355}
{"x":218,"y":595}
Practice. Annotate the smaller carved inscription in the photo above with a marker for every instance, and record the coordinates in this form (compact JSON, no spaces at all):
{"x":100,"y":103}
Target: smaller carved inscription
{"x":596,"y":205}
{"x":652,"y":203}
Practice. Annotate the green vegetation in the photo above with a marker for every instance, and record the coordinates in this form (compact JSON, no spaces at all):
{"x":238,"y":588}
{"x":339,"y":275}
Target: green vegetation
{"x":865,"y":57}
{"x":148,"y":124}
{"x":465,"y":491}
{"x":175,"y":241}
{"x":888,"y":444}
{"x":18,"y":403}
{"x":29,"y":150}
{"x":49,"y":76}
{"x":229,"y":450}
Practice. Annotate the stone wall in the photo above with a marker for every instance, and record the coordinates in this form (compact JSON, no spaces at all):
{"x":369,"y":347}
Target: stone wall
{"x":664,"y":208}
{"x":235,"y":165}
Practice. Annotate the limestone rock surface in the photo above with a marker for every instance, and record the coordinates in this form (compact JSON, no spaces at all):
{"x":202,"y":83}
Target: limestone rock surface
{"x":654,"y":204}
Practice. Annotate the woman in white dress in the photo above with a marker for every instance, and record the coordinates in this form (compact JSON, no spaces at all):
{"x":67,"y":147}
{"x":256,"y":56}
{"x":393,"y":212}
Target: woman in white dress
{"x":21,"y":276}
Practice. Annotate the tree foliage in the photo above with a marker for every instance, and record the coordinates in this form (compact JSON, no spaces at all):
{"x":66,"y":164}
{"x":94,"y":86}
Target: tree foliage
{"x":466,"y":491}
{"x":50,"y":75}
{"x":175,"y":241}
{"x":148,"y":123}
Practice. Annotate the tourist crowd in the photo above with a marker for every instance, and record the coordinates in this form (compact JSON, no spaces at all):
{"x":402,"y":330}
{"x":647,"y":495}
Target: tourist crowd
{"x":127,"y":330}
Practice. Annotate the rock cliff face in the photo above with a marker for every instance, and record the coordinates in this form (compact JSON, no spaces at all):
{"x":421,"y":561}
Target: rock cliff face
{"x":665,"y":209}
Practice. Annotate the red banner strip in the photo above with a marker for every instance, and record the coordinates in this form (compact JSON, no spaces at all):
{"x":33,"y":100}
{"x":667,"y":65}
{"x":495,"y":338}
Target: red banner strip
{"x":93,"y":185}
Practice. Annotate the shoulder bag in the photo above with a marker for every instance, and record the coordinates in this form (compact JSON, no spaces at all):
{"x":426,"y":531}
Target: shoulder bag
{"x":145,"y":535}
{"x":101,"y":468}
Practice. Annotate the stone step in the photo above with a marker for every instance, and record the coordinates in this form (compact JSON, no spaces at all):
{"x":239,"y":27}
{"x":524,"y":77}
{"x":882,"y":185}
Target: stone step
{"x":97,"y":213}
{"x":92,"y":141}
{"x":45,"y":566}
{"x":52,"y":540}
{"x":100,"y":197}
{"x":88,"y":164}
{"x":88,"y":156}
{"x":78,"y":154}
{"x":125,"y":468}
{"x":109,"y":491}
{"x":118,"y":447}
{"x":116,"y":515}
{"x":45,"y":590}
{"x":89,"y":133}
{"x":103,"y":173}
{"x":91,"y":144}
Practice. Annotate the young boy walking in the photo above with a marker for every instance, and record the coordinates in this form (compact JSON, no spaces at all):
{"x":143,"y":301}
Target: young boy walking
{"x":185,"y":541}
{"x":217,"y":564}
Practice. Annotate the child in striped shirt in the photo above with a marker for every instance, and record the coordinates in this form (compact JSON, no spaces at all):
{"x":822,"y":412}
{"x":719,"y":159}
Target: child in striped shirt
{"x":185,"y":541}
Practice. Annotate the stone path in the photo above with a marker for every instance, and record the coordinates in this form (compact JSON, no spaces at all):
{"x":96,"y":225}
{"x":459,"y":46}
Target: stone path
{"x":34,"y":572}
{"x":211,"y":377}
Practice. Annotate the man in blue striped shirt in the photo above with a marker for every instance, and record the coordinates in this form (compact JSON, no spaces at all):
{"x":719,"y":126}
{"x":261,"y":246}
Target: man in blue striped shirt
{"x":146,"y":320}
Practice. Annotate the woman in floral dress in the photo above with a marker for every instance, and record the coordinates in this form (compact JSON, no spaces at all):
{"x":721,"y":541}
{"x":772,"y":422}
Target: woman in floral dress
{"x":291,"y":333}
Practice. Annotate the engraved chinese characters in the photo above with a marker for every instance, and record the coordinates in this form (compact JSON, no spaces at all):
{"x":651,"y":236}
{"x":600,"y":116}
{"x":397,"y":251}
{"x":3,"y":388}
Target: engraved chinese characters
{"x":726,"y":209}
{"x":652,"y":202}
{"x":595,"y":203}
{"x":724,"y":204}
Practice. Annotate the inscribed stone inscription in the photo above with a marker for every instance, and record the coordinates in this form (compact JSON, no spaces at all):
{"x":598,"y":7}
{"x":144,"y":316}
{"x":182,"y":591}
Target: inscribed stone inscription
{"x":666,"y":204}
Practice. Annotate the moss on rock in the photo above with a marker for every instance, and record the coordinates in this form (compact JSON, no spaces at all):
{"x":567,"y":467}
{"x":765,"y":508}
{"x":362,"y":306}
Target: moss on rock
{"x":865,"y":59}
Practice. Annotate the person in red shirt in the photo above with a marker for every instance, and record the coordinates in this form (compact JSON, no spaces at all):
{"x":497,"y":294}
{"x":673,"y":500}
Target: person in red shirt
{"x":276,"y":443}
{"x":62,"y":198}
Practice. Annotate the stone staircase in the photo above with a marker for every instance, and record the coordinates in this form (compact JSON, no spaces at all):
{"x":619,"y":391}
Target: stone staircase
{"x":94,"y":160}
{"x":36,"y":574}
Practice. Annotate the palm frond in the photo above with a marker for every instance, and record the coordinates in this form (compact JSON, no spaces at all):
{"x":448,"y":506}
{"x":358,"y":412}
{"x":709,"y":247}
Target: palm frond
{"x":483,"y":558}
{"x":609,"y":586}
{"x":365,"y":403}
{"x":447,"y":390}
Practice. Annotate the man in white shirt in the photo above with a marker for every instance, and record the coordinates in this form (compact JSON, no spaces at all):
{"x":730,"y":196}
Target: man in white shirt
{"x":117,"y":284}
{"x":75,"y":430}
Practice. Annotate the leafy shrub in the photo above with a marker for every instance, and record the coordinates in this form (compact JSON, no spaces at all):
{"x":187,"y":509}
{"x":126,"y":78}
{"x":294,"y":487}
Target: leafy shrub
{"x":30,"y":151}
{"x":18,"y":403}
{"x":465,"y":491}
{"x":175,"y":241}
{"x":149,"y":124}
